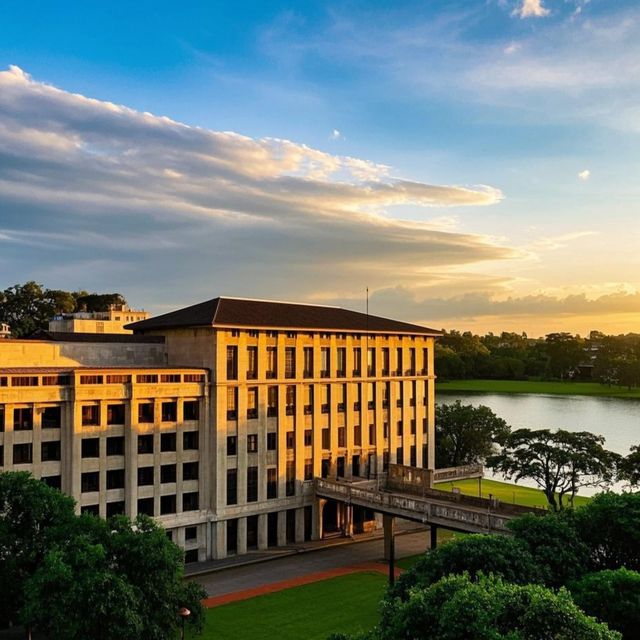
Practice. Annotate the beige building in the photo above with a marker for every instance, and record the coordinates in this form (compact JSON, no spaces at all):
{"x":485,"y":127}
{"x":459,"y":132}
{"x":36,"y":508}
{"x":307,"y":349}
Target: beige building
{"x":216,"y":418}
{"x":5,"y":330}
{"x":111,"y":321}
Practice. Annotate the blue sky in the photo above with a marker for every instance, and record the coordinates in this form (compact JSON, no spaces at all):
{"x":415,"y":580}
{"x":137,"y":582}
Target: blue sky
{"x":474,"y":163}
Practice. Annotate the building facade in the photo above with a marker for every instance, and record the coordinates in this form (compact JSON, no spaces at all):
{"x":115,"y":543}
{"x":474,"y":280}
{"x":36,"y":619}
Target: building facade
{"x":221,"y":439}
{"x":111,"y":321}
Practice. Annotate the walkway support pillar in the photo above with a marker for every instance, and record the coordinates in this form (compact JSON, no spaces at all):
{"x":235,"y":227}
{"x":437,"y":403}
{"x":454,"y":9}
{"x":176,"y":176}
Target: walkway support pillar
{"x":388,"y":523}
{"x":433,"y":530}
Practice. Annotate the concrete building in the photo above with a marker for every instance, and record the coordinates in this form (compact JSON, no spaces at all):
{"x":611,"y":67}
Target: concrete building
{"x":216,"y":418}
{"x":111,"y":321}
{"x":5,"y":330}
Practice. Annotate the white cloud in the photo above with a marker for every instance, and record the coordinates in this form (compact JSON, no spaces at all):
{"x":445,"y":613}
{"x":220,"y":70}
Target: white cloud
{"x":336,"y":135}
{"x":512,"y":47}
{"x":584,"y":175}
{"x":532,"y":9}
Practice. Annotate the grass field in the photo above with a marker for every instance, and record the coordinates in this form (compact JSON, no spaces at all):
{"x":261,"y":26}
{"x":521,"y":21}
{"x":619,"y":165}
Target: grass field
{"x":530,"y":386}
{"x":348,"y":604}
{"x":505,"y":491}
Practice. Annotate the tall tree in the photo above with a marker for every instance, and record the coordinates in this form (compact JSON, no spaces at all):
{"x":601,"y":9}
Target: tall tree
{"x":565,"y":353}
{"x":466,"y":434}
{"x":560,"y":462}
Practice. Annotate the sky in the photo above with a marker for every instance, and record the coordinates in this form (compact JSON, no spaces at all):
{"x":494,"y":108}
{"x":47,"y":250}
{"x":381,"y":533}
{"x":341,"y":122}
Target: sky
{"x":475,"y":164}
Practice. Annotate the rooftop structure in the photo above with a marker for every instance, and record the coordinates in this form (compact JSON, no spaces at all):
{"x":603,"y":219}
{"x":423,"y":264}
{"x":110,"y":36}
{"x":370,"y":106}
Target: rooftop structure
{"x":111,"y":321}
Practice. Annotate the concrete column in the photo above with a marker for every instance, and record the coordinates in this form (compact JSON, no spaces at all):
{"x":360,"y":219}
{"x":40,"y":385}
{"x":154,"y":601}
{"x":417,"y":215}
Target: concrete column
{"x":242,"y":536}
{"x":219,"y":539}
{"x":262,"y":531}
{"x":299,"y":535}
{"x":316,"y":521}
{"x":388,"y":523}
{"x":282,"y":528}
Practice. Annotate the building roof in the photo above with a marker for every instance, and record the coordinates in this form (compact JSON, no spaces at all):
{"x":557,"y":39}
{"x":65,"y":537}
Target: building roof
{"x":241,"y":312}
{"x":64,"y":336}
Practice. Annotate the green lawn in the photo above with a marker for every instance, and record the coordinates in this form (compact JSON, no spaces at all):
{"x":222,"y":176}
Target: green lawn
{"x":505,"y":491}
{"x":531,"y":386}
{"x":348,"y":604}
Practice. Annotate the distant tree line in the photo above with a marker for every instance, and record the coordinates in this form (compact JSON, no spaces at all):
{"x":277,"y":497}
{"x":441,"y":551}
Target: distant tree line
{"x":28,"y":307}
{"x":559,"y":356}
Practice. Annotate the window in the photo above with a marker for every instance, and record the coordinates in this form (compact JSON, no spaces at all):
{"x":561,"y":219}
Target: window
{"x":252,"y":484}
{"x":272,"y":402}
{"x":191,"y":410}
{"x":372,"y":434}
{"x":308,"y":437}
{"x":91,"y":448}
{"x":290,"y":362}
{"x":291,"y":400}
{"x":169,"y":411}
{"x":357,"y":361}
{"x":371,"y":361}
{"x":190,"y":471}
{"x":372,"y":396}
{"x":411,"y":371}
{"x":190,"y":533}
{"x":190,"y":440}
{"x":291,"y":334}
{"x":272,"y":483}
{"x":91,"y":379}
{"x":340,"y":467}
{"x":413,"y":459}
{"x":232,"y":363}
{"x":342,"y":437}
{"x":271,"y":441}
{"x":272,"y":334}
{"x":24,"y":381}
{"x":400,"y":400}
{"x":308,"y":400}
{"x":145,"y":444}
{"x":252,"y":403}
{"x":90,"y":481}
{"x":167,"y":442}
{"x":399,"y":361}
{"x":342,"y":402}
{"x":145,"y":412}
{"x":326,"y":438}
{"x":50,"y":381}
{"x":145,"y":476}
{"x":291,"y":439}
{"x":385,"y":430}
{"x":252,"y":363}
{"x":358,"y":403}
{"x":232,"y":486}
{"x":386,"y":392}
{"x":325,"y":398}
{"x":232,"y":535}
{"x":232,"y":445}
{"x":253,"y":333}
{"x":252,"y":443}
{"x":272,"y":362}
{"x":115,"y":414}
{"x":167,"y":504}
{"x":115,"y":479}
{"x":425,"y":362}
{"x":115,"y":446}
{"x":90,"y":415}
{"x":308,"y":469}
{"x":118,"y":379}
{"x":399,"y":428}
{"x":290,"y":485}
{"x":50,"y":450}
{"x":90,"y":510}
{"x":22,"y":453}
{"x":399,"y":456}
{"x":357,"y":435}
{"x":51,"y":418}
{"x":385,"y":361}
{"x":145,"y":506}
{"x":232,"y":403}
{"x":308,"y":362}
{"x":170,"y":377}
{"x":147,"y":378}
{"x":190,"y":501}
{"x":341,"y":371}
{"x":325,"y":362}
{"x":55,"y":482}
{"x":115,"y":508}
{"x":413,"y":427}
{"x":167,"y":473}
{"x":23,"y":419}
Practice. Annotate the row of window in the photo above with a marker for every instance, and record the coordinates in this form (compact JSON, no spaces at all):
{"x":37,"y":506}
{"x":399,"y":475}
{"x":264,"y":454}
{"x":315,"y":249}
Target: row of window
{"x":115,"y":478}
{"x":65,"y":380}
{"x":146,"y":444}
{"x":168,"y":505}
{"x":325,"y":362}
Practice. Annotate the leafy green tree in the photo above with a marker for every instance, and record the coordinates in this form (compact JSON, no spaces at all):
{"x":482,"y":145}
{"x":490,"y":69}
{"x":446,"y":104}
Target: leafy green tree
{"x":565,"y":352}
{"x":448,"y":364}
{"x":501,"y":555}
{"x":33,"y":518}
{"x":612,"y":596}
{"x":458,"y":608}
{"x":609,"y":524}
{"x":559,"y":462}
{"x":629,"y":467}
{"x":98,"y":301}
{"x":466,"y":434}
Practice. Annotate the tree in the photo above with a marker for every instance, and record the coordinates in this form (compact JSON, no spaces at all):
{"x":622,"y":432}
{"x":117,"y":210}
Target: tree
{"x":98,"y":301}
{"x":501,"y":555}
{"x":466,"y":434}
{"x":565,"y":353}
{"x":458,"y":608}
{"x":33,"y":518}
{"x":629,"y":467}
{"x":560,"y":462}
{"x":609,"y":524}
{"x":613,"y":597}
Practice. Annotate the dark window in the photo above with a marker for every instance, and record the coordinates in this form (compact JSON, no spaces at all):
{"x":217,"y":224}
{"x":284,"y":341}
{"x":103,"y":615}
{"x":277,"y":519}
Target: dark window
{"x":232,"y":445}
{"x":291,"y":478}
{"x":190,"y":440}
{"x":91,"y":448}
{"x":190,"y":471}
{"x":232,"y":486}
{"x":232,"y":403}
{"x":272,"y":402}
{"x":90,"y":510}
{"x":115,"y":446}
{"x":170,"y":377}
{"x":252,"y":443}
{"x":413,"y":456}
{"x":51,"y":418}
{"x":272,"y":441}
{"x":23,"y":419}
{"x":167,"y":504}
{"x":372,"y":434}
{"x":291,"y":439}
{"x":357,"y":435}
{"x":22,"y":453}
{"x":147,"y":378}
{"x":252,"y":403}
{"x":340,"y":467}
{"x":232,"y":363}
{"x":145,"y":506}
{"x":399,"y":428}
{"x":145,"y":476}
{"x":115,"y":479}
{"x":115,"y":414}
{"x":413,"y":427}
{"x":169,"y":411}
{"x":191,"y":533}
{"x":252,"y":484}
{"x":308,"y":469}
{"x":90,"y":415}
{"x":167,"y":473}
{"x":308,"y":362}
{"x":326,"y":438}
{"x":191,"y":409}
{"x":190,"y":501}
{"x":252,"y":532}
{"x":145,"y":444}
{"x":24,"y":381}
{"x":399,"y":456}
{"x":325,"y":468}
{"x":232,"y":535}
{"x":91,"y":379}
{"x":167,"y":442}
{"x":355,"y":466}
{"x":342,"y":437}
{"x":145,"y":412}
{"x":50,"y":450}
{"x":290,"y":362}
{"x":325,"y":362}
{"x":290,"y":400}
{"x":1,"y":418}
{"x":272,"y":483}
{"x":252,"y":363}
{"x":308,"y":437}
{"x":341,"y":371}
{"x":55,"y":482}
{"x":272,"y":362}
{"x":90,"y":481}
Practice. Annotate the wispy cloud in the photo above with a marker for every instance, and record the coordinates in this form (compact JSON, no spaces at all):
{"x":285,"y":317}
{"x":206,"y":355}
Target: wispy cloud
{"x":584,"y":175}
{"x":531,"y":9}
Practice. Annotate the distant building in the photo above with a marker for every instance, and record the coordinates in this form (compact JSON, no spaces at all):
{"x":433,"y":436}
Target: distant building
{"x":111,"y":321}
{"x":5,"y":331}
